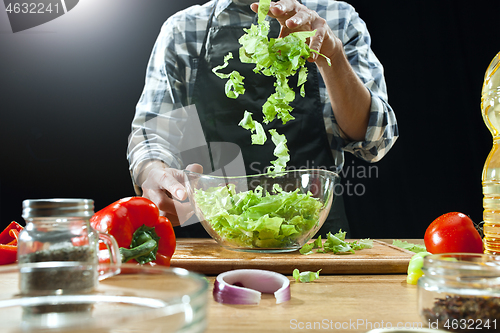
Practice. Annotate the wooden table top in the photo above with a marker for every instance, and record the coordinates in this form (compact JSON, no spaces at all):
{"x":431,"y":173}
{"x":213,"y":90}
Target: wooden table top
{"x":205,"y":256}
{"x":339,"y":303}
{"x":335,"y":302}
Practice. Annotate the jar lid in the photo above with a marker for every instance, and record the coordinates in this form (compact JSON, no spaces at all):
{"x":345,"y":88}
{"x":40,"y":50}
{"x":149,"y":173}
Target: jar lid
{"x":58,"y":208}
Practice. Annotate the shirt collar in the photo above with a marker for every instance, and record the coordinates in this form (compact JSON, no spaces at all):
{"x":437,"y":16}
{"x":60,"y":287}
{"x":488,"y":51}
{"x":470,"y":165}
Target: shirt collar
{"x":224,"y":4}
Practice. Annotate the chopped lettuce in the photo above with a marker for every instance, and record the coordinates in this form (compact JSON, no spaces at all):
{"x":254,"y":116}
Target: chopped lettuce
{"x":409,"y":246}
{"x":255,"y":219}
{"x":259,"y":138}
{"x":281,"y":152}
{"x":362,"y":244}
{"x":276,"y":57}
{"x":336,"y":243}
{"x":305,"y":276}
{"x":308,"y":248}
{"x":234,"y":86}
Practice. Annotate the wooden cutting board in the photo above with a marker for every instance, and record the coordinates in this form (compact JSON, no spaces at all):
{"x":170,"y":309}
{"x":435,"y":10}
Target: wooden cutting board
{"x":205,"y":256}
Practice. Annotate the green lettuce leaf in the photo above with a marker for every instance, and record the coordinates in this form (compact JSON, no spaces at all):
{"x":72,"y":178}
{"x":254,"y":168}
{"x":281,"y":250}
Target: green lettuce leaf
{"x":234,"y":86}
{"x":362,"y":244}
{"x":259,"y":137}
{"x":280,"y":151}
{"x":257,"y":219}
{"x":279,"y":58}
{"x":409,"y":246}
{"x":308,"y":248}
{"x":336,"y":243}
{"x":247,"y":122}
{"x":264,"y":6}
{"x":306,"y":276}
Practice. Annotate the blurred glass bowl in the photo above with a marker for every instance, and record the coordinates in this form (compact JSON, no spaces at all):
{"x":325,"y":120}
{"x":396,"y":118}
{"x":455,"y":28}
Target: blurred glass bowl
{"x":140,"y":299}
{"x":264,"y":212}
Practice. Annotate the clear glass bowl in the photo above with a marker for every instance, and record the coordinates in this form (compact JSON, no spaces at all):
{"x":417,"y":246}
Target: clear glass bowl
{"x":140,"y":299}
{"x":460,"y":292}
{"x":264,"y":212}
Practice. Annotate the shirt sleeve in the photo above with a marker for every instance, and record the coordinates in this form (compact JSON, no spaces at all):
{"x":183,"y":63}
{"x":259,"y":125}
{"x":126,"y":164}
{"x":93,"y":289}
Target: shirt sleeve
{"x":382,"y":129}
{"x":155,"y":127}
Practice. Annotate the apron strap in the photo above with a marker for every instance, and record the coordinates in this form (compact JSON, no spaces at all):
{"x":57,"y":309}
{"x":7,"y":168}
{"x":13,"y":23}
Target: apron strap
{"x":203,"y":50}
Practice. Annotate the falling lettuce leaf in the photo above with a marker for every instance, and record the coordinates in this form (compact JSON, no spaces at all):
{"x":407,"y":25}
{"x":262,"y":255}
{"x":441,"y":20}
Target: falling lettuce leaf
{"x":305,"y":276}
{"x":234,"y":86}
{"x":280,"y":151}
{"x":247,"y":122}
{"x":259,"y":138}
{"x":277,"y":188}
{"x":276,"y":57}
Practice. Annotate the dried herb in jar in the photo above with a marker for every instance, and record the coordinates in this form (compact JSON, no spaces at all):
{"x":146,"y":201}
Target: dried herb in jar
{"x":62,"y":253}
{"x":465,"y":313}
{"x":54,"y":280}
{"x":63,"y":279}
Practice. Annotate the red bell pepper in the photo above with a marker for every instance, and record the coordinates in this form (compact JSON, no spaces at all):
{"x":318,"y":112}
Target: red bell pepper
{"x":8,"y":243}
{"x":8,"y":254}
{"x":141,"y":233}
{"x":15,"y":236}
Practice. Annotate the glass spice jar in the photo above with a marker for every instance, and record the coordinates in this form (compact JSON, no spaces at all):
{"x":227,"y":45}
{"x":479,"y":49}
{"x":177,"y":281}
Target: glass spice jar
{"x":460,"y":292}
{"x":59,"y":231}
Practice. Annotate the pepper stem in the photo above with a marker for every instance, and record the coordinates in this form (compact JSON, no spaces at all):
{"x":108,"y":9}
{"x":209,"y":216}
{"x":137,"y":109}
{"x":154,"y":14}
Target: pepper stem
{"x":142,"y":250}
{"x":143,"y":247}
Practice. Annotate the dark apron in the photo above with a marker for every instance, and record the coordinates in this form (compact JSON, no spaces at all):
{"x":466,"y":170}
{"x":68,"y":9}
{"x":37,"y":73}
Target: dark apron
{"x":219,"y":115}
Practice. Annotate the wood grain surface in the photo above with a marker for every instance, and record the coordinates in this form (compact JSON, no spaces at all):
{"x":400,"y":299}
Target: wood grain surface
{"x":333,"y":303}
{"x":356,"y":303}
{"x":205,"y":256}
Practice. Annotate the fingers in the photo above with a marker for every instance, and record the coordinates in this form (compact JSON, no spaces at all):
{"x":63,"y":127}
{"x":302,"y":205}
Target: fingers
{"x":170,"y":180}
{"x":184,"y":211}
{"x":195,"y":168}
{"x":294,"y":16}
{"x":301,"y":20}
{"x":165,"y":187}
{"x":316,"y":42}
{"x":291,"y":14}
{"x":177,"y":212}
{"x":281,"y":10}
{"x":181,"y":213}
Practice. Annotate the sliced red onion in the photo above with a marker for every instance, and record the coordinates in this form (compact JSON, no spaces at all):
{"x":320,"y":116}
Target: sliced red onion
{"x":244,"y":286}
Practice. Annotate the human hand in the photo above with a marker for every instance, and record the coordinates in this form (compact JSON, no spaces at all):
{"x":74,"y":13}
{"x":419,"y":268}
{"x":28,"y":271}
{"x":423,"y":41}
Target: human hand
{"x":294,"y":16}
{"x":164,"y":186}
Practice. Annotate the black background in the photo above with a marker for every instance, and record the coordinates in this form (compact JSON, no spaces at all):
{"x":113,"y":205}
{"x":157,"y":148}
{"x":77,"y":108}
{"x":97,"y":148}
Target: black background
{"x":68,"y":90}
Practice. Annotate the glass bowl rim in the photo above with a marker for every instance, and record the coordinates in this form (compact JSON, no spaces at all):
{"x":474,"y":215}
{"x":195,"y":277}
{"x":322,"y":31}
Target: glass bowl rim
{"x":164,"y":305}
{"x":487,"y":262}
{"x":269,"y":175}
{"x":137,"y":269}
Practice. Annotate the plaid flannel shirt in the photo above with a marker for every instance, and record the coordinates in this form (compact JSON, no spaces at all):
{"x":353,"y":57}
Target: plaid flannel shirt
{"x":171,"y":75}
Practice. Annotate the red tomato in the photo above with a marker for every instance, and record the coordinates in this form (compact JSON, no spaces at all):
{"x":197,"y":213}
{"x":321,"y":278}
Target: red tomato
{"x":451,"y":233}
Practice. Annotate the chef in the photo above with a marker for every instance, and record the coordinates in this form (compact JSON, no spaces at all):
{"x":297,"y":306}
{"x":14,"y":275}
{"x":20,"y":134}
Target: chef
{"x":345,"y":107}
